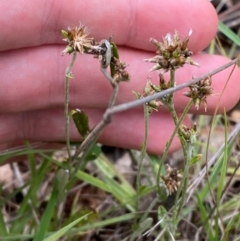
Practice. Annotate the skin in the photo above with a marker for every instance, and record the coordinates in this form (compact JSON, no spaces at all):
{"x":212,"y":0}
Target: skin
{"x":32,"y":68}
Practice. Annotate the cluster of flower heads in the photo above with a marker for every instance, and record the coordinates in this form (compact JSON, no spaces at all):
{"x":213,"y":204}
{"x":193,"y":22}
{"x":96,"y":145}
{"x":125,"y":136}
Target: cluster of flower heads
{"x":172,"y":53}
{"x":149,"y":89}
{"x":189,"y":134}
{"x":200,"y":91}
{"x":172,"y":179}
{"x":78,"y":40}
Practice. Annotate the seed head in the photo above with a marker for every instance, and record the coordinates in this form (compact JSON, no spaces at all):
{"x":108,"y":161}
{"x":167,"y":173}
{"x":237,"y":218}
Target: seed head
{"x":200,"y":91}
{"x":77,"y":39}
{"x":172,"y":53}
{"x":189,"y":134}
{"x":120,"y":73}
{"x":172,"y":180}
{"x":148,"y":90}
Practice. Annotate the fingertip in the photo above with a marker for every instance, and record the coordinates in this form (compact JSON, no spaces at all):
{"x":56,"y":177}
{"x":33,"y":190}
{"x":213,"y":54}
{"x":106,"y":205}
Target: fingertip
{"x":162,"y":17}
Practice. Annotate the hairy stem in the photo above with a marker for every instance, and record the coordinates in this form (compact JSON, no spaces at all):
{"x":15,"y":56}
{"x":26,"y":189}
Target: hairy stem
{"x":166,"y":150}
{"x":184,"y":183}
{"x":68,"y":76}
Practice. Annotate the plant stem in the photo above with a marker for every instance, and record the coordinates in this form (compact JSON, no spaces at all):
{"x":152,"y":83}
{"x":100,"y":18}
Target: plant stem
{"x":93,"y":135}
{"x":166,"y":150}
{"x":114,"y":85}
{"x":86,"y":145}
{"x":184,"y":183}
{"x":142,"y":155}
{"x":144,"y":147}
{"x":170,"y":104}
{"x":68,"y":76}
{"x":176,"y":121}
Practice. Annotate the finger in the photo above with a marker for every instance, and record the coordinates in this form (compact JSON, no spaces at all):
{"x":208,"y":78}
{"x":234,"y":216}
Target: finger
{"x":32,"y":23}
{"x":33,"y":79}
{"x":126,"y":129}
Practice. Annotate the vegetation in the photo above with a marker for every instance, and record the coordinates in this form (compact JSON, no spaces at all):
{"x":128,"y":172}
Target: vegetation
{"x":79,"y":193}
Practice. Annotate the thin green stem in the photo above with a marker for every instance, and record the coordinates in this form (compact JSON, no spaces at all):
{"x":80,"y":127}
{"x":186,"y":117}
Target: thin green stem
{"x":168,"y":101}
{"x":143,"y":152}
{"x":176,"y":120}
{"x":172,"y":80}
{"x":166,"y":150}
{"x":170,"y":104}
{"x":68,"y":76}
{"x":144,"y":146}
{"x":184,"y":183}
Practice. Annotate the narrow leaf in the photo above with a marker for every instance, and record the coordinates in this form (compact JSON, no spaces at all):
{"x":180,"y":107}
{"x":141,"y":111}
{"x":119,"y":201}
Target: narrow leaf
{"x":62,"y":178}
{"x":48,"y":214}
{"x":65,"y":229}
{"x":229,"y":33}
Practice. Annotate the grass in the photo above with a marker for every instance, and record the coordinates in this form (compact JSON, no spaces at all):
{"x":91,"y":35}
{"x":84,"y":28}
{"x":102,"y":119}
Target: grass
{"x":112,"y":202}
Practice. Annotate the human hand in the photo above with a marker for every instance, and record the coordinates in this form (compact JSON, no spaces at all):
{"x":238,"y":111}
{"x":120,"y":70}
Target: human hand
{"x":32,"y":68}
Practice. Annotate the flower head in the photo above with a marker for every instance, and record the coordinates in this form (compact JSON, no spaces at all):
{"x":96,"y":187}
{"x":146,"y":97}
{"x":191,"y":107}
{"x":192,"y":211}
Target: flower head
{"x":148,"y":90}
{"x":172,"y":53}
{"x":119,"y":70}
{"x":77,"y":39}
{"x":189,"y":134}
{"x":200,"y":91}
{"x":172,"y":179}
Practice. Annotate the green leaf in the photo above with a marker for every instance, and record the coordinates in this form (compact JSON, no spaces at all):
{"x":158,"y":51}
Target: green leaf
{"x":62,"y":178}
{"x":94,"y":153}
{"x":93,"y":215}
{"x":48,"y":214}
{"x":64,"y":230}
{"x":229,"y":33}
{"x":114,"y":54}
{"x":93,"y":181}
{"x":81,"y":121}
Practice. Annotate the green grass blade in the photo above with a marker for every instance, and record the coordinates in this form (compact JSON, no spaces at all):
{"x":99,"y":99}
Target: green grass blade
{"x":108,"y":170}
{"x":65,"y":229}
{"x":92,"y":180}
{"x":110,"y":221}
{"x":228,"y":33}
{"x":120,"y":187}
{"x":204,"y":214}
{"x":213,"y":178}
{"x":48,"y":214}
